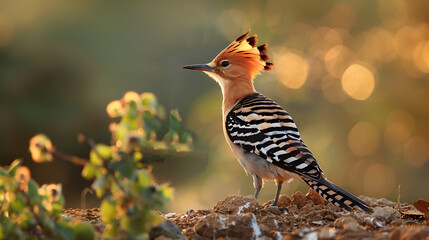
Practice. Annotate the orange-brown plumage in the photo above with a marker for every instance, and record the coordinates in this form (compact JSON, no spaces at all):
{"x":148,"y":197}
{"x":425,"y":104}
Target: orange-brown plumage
{"x":235,"y":67}
{"x":243,"y":52}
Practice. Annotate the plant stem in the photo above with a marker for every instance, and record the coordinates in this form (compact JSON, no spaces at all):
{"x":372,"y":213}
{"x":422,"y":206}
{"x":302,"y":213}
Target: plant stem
{"x":69,"y":158}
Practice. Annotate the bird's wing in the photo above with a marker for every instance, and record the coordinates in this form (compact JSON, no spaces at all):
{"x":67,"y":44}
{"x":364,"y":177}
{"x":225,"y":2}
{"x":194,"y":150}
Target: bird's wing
{"x":261,"y":126}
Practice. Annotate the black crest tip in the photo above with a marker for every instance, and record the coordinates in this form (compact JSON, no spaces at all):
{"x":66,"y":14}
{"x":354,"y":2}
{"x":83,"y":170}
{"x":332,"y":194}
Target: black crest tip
{"x":263,"y":48}
{"x":252,"y":40}
{"x":268,"y":66}
{"x":264,"y":57}
{"x":242,"y":37}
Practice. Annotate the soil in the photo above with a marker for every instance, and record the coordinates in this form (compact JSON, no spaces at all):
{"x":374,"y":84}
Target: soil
{"x":297,"y":217}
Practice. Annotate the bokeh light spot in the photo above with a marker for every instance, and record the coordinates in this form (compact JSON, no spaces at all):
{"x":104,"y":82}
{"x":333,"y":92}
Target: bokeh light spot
{"x":425,"y":54}
{"x":358,"y":82}
{"x":363,"y":139}
{"x":379,"y":180}
{"x":292,"y":70}
{"x":377,"y":46}
{"x":417,"y":151}
{"x":400,"y":125}
{"x":421,"y":56}
{"x":405,"y":40}
{"x":396,"y":136}
{"x":336,"y":60}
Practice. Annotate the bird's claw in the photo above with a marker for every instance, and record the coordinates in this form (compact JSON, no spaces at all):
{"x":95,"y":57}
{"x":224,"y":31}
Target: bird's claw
{"x":284,"y":209}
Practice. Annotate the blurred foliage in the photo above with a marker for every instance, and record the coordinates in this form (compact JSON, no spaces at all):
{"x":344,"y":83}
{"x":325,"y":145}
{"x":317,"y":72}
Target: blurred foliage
{"x":28,"y":211}
{"x":141,"y":117}
{"x":121,"y":172}
{"x":353,"y":74}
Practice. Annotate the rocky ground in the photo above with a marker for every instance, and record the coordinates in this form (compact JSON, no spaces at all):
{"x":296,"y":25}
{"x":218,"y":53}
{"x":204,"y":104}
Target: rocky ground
{"x":308,"y":217}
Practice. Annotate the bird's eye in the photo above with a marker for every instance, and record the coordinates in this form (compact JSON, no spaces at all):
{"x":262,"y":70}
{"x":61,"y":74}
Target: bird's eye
{"x":224,"y":63}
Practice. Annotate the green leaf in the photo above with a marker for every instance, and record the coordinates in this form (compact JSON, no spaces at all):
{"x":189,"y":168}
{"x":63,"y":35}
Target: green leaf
{"x":132,"y":110}
{"x":144,"y":177}
{"x":57,"y":207}
{"x":186,"y":137}
{"x":125,"y":223}
{"x":64,"y":230}
{"x":175,"y":120}
{"x":3,"y":173}
{"x":13,"y":167}
{"x":100,"y":153}
{"x":108,"y":210}
{"x":33,"y":189}
{"x":126,"y":167}
{"x":17,"y":205}
{"x":167,"y":191}
{"x":148,"y":99}
{"x":99,"y":185}
{"x":151,"y":123}
{"x":89,"y":171}
{"x":83,"y":232}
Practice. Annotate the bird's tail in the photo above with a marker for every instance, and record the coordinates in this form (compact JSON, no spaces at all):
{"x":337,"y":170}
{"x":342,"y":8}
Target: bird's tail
{"x":336,"y":195}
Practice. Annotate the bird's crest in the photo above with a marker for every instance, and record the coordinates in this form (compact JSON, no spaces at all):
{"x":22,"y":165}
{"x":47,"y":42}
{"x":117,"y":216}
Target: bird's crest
{"x":244,"y":50}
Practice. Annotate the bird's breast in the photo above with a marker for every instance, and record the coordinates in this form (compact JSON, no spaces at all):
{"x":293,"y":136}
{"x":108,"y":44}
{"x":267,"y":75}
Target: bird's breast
{"x":256,"y":165}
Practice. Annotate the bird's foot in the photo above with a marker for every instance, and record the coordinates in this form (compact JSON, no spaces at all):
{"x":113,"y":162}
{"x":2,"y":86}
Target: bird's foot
{"x":284,"y":209}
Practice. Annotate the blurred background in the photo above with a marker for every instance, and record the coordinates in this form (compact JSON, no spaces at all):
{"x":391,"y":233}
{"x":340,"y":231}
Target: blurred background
{"x":353,"y":74}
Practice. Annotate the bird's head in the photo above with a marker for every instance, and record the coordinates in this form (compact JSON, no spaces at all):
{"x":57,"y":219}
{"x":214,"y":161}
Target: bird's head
{"x":242,"y":60}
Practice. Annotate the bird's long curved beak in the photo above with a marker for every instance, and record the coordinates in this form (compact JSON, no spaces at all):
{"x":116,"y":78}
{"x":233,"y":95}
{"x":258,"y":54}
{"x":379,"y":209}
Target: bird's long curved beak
{"x":199,"y":67}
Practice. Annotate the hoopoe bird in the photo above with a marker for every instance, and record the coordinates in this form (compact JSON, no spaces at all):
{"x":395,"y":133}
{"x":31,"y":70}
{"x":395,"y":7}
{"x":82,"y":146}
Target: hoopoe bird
{"x":262,"y":135}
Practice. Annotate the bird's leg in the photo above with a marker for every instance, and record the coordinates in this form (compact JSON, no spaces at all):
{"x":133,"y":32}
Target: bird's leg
{"x":279,"y":188}
{"x":257,"y":183}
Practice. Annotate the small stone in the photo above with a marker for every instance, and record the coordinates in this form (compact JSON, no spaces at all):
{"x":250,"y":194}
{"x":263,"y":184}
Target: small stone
{"x":386,"y":214}
{"x":299,"y":199}
{"x":227,"y":226}
{"x":333,"y":208}
{"x":352,"y":227}
{"x":190,"y":212}
{"x":166,"y":230}
{"x":284,"y":201}
{"x":293,"y":209}
{"x":170,"y":215}
{"x":396,"y":222}
{"x":327,"y":233}
{"x":377,"y":223}
{"x":315,"y":197}
{"x":264,"y":228}
{"x":235,"y":204}
{"x":320,"y":223}
{"x":273,"y":210}
{"x":348,"y":224}
{"x":383,"y":201}
{"x":307,"y":208}
{"x":317,"y":218}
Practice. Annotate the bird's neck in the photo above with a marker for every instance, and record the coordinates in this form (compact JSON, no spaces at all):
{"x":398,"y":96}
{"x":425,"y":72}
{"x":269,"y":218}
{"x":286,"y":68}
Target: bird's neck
{"x":234,"y":91}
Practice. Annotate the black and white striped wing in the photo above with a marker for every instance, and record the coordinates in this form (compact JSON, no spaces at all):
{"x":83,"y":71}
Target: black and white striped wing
{"x":261,"y":126}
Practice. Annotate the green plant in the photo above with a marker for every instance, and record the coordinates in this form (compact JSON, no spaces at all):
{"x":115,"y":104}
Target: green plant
{"x":28,"y":211}
{"x":121,"y":170}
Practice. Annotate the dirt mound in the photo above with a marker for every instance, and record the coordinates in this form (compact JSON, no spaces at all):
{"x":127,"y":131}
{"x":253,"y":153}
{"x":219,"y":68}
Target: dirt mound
{"x":306,"y":217}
